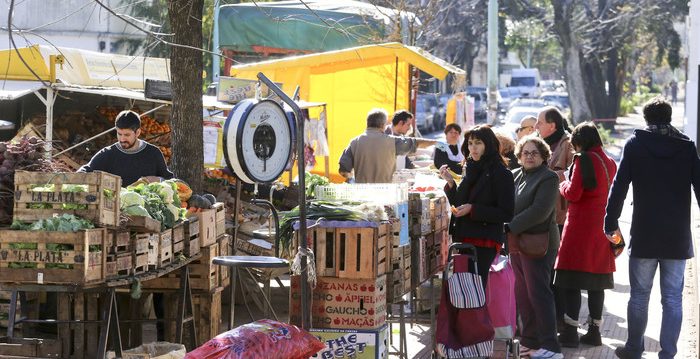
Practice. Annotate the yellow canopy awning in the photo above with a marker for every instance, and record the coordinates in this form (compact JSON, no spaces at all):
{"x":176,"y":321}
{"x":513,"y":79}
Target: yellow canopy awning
{"x":12,"y":67}
{"x":356,"y":57}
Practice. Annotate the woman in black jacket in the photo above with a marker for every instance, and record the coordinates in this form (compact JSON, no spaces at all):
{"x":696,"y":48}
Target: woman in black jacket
{"x":453,"y":158}
{"x":484,"y":200}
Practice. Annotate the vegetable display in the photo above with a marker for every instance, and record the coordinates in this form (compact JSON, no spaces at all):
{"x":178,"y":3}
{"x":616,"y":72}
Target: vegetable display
{"x":158,"y":200}
{"x":315,"y":210}
{"x":312,"y":181}
{"x":63,"y":223}
{"x":28,"y":154}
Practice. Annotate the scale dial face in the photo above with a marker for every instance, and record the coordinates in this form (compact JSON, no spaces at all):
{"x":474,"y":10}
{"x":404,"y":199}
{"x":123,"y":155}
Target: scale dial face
{"x":258,"y":141}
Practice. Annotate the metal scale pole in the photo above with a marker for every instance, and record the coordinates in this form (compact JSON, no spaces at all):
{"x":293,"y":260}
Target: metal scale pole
{"x":305,"y":310}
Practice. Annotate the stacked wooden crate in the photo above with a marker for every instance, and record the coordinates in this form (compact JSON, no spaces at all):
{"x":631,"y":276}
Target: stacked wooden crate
{"x":203,"y":234}
{"x":120,"y":258}
{"x":398,"y":274}
{"x":351,"y":288}
{"x":430,"y":220}
{"x":60,"y":257}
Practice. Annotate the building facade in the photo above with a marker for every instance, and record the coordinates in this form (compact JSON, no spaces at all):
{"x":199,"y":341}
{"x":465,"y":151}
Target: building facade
{"x":81,"y":24}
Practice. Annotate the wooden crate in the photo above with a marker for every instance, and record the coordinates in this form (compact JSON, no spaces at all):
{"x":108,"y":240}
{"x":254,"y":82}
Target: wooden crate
{"x":224,"y":250}
{"x":120,"y":241}
{"x":76,"y":266}
{"x":208,"y":224}
{"x":118,"y":265}
{"x":140,"y":262}
{"x":191,"y":233}
{"x":204,"y":275}
{"x":244,"y":245}
{"x":100,"y":201}
{"x":160,"y":249}
{"x":143,"y":224}
{"x":30,"y":348}
{"x":220,"y":219}
{"x":207,"y":311}
{"x":349,"y":252}
{"x":342,"y":303}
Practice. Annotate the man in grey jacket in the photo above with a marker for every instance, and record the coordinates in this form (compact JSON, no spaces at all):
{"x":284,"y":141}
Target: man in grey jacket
{"x":372,"y":155}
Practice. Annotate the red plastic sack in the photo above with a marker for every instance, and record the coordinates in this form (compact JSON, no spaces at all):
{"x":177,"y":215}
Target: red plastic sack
{"x":263,"y":339}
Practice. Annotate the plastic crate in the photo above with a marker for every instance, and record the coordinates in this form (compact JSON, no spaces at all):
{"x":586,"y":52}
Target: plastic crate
{"x":382,"y":193}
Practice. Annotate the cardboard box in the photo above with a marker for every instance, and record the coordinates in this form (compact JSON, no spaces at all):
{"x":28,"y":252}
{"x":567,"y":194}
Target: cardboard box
{"x":341,"y":303}
{"x":358,"y":344}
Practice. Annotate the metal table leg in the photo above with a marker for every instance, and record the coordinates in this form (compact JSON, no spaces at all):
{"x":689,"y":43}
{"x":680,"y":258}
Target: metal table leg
{"x":232,"y":275}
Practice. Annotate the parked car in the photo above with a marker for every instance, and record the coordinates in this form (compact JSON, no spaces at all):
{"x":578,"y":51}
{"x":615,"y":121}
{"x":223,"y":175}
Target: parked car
{"x":506,"y":96}
{"x":429,"y":116}
{"x":518,"y":110}
{"x":558,"y":99}
{"x":480,"y":102}
{"x":552,"y":86}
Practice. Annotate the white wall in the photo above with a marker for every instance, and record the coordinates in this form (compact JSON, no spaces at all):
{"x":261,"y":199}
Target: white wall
{"x":691,"y":94}
{"x":78,"y":24}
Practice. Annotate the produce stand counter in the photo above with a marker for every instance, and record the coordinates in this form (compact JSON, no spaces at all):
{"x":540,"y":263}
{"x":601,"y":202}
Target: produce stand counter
{"x":109,"y":317}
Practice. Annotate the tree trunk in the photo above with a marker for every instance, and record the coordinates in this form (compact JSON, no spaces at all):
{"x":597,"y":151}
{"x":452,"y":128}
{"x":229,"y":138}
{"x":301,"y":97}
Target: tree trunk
{"x":573,"y":66}
{"x":186,"y":114}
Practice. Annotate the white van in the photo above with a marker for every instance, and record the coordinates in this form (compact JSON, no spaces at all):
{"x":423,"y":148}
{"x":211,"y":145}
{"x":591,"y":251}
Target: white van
{"x":526,"y":81}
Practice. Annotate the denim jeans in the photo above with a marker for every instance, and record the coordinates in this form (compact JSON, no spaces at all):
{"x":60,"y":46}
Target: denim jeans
{"x":642,"y":271}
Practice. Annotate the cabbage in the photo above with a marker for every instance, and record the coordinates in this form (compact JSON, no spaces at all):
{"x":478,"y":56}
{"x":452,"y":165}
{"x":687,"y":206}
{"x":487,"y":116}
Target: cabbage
{"x":174,"y":210}
{"x":136,"y":210}
{"x":163,"y":190}
{"x":130,"y":198}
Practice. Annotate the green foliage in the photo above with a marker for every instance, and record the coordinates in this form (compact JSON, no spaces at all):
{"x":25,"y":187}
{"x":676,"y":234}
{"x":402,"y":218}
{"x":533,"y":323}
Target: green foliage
{"x":604,"y":134}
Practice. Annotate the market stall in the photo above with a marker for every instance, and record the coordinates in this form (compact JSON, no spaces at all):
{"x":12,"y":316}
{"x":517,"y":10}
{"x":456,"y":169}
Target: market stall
{"x":351,"y":82}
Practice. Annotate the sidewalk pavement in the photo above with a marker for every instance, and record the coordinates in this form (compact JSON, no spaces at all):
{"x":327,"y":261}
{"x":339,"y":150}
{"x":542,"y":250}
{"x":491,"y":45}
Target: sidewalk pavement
{"x":614,"y":328}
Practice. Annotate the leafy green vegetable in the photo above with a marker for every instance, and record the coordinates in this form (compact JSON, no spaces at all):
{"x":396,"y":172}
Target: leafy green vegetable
{"x":63,"y":223}
{"x":312,"y":181}
{"x":130,"y":198}
{"x":315,"y":209}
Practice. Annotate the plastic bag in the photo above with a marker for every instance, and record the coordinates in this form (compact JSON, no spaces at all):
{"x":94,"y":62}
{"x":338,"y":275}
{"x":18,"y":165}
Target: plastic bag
{"x":263,"y":339}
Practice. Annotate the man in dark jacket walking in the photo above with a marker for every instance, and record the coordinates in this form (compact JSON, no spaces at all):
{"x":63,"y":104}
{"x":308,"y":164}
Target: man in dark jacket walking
{"x":661,"y":163}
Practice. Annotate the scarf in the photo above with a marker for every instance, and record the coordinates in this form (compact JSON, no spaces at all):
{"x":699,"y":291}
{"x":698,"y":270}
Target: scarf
{"x":665,"y":129}
{"x":454,"y":154}
{"x":552,"y":139}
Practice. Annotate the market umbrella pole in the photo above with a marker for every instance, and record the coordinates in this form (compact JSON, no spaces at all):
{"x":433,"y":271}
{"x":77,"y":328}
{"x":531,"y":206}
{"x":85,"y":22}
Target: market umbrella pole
{"x":305,"y":310}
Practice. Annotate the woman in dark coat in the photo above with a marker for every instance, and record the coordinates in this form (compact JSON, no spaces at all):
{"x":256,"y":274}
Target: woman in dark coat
{"x":483,"y":201}
{"x":585,"y":260}
{"x":536,"y":193}
{"x":453,"y":158}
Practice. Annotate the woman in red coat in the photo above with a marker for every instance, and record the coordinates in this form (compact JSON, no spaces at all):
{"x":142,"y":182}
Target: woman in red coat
{"x":585,"y":260}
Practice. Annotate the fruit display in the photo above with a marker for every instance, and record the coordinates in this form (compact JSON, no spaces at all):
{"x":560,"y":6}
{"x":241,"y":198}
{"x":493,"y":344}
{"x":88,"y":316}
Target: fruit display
{"x":222,"y":174}
{"x":26,"y":154}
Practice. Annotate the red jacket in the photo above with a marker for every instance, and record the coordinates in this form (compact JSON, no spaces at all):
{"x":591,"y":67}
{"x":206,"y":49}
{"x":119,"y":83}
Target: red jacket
{"x":584,"y":246}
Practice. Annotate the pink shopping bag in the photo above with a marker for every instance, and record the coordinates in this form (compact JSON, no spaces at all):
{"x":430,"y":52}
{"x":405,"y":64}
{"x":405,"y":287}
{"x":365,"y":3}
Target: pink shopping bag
{"x":500,"y":297}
